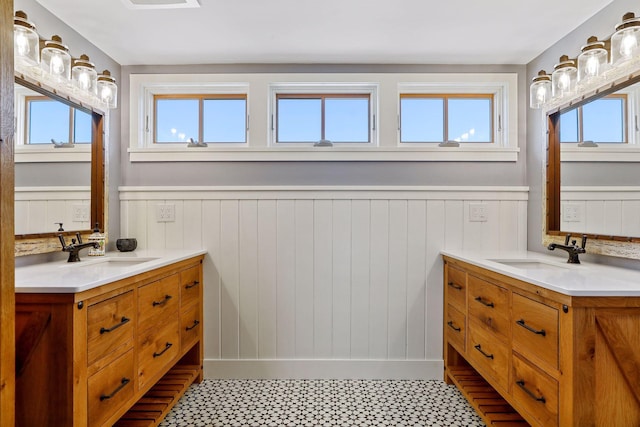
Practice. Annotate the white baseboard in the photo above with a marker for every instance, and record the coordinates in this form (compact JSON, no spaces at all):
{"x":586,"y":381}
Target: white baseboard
{"x":324,"y":369}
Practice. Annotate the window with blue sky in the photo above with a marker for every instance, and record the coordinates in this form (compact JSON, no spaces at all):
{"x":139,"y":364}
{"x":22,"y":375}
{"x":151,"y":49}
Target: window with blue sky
{"x":48,"y":119}
{"x":602,"y":121}
{"x":310,"y":118}
{"x":203,"y":118}
{"x":436,"y":118}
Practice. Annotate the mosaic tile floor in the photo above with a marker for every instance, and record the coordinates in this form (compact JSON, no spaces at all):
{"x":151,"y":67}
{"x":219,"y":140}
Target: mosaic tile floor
{"x":322,"y":403}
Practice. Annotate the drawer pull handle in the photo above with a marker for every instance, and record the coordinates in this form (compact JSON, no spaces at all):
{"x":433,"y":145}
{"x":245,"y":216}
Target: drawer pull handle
{"x":195,"y":323}
{"x":483,"y":302}
{"x":166,"y":298}
{"x":455,"y":328}
{"x":530,"y":329}
{"x":123,"y":383}
{"x":191,"y":285}
{"x":455,"y":286}
{"x":479,"y":348}
{"x":166,"y":347}
{"x":531,"y":394}
{"x":114,"y":327}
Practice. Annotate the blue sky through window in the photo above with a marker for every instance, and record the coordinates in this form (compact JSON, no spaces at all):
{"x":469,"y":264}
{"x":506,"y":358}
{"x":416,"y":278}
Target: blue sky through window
{"x":49,"y":119}
{"x":299,"y":120}
{"x":177,"y":120}
{"x":347,"y":119}
{"x":224,"y":120}
{"x":423,"y":119}
{"x":603,"y":121}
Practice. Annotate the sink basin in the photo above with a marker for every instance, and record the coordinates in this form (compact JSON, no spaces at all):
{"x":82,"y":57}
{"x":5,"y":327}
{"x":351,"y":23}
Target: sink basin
{"x":109,"y":262}
{"x":529,"y":264}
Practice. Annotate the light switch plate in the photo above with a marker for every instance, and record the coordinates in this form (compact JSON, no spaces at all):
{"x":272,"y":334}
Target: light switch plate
{"x":80,"y":213}
{"x":477,"y":212}
{"x":165,"y":213}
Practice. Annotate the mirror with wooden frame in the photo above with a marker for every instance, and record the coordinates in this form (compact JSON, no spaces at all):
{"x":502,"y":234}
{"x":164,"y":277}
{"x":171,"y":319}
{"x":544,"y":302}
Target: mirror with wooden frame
{"x":41,"y":201}
{"x":590,"y":195}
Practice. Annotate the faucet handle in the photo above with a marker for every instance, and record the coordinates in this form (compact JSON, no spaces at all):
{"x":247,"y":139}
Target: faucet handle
{"x":62,"y":241}
{"x":584,"y":240}
{"x":79,"y":237}
{"x":566,"y":239}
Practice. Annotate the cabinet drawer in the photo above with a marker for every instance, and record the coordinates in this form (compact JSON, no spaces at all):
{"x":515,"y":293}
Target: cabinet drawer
{"x":109,"y":389}
{"x":110,"y":326}
{"x":455,"y":327}
{"x":489,"y":307}
{"x":190,"y":285}
{"x":536,"y":392}
{"x":156,"y":349}
{"x":190,"y":326}
{"x":456,"y":288}
{"x":488,"y":355}
{"x":535,"y":330}
{"x":158,"y":300}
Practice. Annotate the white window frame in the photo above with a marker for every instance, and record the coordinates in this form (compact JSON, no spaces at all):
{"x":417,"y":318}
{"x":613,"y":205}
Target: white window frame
{"x":40,"y":153}
{"x":629,"y":152}
{"x":260,"y":89}
{"x":501,"y":125}
{"x":146,"y":131}
{"x":370,"y":89}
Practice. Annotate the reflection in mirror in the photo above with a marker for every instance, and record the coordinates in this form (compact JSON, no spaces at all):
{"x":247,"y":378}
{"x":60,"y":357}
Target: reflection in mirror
{"x":51,"y":191}
{"x":600,"y":198}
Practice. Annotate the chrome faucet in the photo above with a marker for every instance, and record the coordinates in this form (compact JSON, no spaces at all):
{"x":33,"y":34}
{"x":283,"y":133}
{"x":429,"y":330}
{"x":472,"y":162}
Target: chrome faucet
{"x":572,"y":249}
{"x":75,"y":246}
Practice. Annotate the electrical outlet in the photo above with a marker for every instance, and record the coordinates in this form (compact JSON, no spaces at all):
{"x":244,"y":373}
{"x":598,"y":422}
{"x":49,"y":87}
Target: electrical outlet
{"x":80,"y":213}
{"x":478,"y":212}
{"x":572,"y":212}
{"x":165,"y":213}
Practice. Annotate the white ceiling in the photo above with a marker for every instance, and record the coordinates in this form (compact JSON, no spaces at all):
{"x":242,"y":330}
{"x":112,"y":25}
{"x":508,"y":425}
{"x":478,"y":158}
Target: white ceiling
{"x":327,"y":31}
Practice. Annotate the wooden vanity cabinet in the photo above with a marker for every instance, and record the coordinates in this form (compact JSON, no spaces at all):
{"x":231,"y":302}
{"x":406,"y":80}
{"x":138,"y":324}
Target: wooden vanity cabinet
{"x":97,"y":358}
{"x":524,"y":355}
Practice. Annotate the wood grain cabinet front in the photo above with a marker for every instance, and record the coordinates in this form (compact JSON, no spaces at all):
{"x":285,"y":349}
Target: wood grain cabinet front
{"x":110,"y":325}
{"x":536,"y":357}
{"x":89,"y":359}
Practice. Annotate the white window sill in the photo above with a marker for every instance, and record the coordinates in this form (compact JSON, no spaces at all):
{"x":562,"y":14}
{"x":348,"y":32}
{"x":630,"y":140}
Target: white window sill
{"x":601,"y":153}
{"x":49,"y":154}
{"x":324,"y":154}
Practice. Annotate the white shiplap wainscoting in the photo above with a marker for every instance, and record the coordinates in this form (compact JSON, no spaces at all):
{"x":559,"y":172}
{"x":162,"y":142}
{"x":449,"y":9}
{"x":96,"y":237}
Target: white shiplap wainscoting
{"x":324,"y":282}
{"x":37,"y":209}
{"x":606,"y":210}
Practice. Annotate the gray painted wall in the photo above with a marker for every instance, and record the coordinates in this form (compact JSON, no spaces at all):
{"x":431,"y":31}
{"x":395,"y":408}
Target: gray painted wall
{"x":601,"y":25}
{"x":322,"y":173}
{"x":48,"y":24}
{"x":53,"y":174}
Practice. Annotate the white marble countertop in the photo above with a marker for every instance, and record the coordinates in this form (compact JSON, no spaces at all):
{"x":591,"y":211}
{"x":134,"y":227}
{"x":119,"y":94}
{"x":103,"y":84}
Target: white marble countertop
{"x":553,"y":273}
{"x":91,"y":272}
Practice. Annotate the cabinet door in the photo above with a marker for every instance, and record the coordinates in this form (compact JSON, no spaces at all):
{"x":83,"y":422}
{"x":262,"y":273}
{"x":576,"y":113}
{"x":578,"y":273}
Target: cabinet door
{"x":535,"y":391}
{"x":489,"y":307}
{"x":110,"y":388}
{"x":456,"y":288}
{"x":157,"y":347}
{"x":535,"y":330}
{"x":158,"y":300}
{"x":110,"y":326}
{"x":190,"y":286}
{"x":455,"y":328}
{"x":488,"y":355}
{"x":190,"y":326}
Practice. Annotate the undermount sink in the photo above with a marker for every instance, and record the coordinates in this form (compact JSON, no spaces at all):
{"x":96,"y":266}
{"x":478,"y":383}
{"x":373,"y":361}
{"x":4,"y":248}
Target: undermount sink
{"x":110,"y":262}
{"x":529,"y":264}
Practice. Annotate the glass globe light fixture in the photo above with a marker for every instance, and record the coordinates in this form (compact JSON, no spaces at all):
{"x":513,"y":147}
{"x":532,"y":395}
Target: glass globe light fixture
{"x":25,"y":41}
{"x":593,"y":60}
{"x":107,"y":89}
{"x":625,"y":42}
{"x":84,"y":75}
{"x":56,"y":59}
{"x":564,"y":77}
{"x":540,"y":90}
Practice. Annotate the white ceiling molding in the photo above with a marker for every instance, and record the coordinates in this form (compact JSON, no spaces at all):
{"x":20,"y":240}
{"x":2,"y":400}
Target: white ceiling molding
{"x":161,"y":4}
